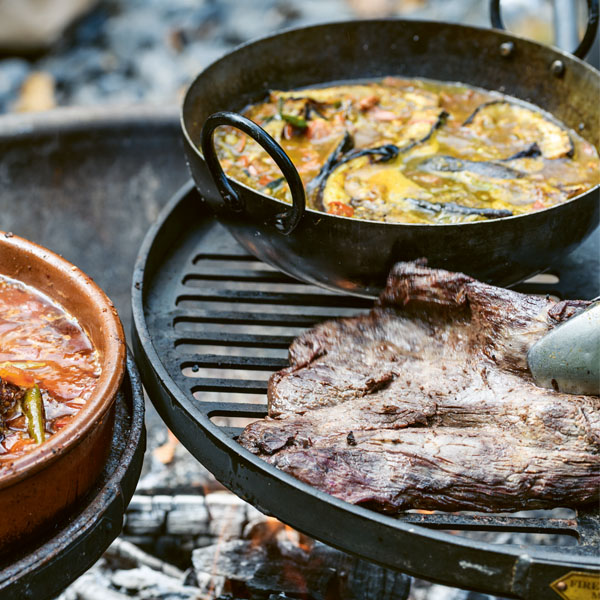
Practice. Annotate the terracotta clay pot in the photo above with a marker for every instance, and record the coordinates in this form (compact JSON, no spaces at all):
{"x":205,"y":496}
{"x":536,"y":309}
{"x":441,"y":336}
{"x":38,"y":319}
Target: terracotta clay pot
{"x":36,"y":487}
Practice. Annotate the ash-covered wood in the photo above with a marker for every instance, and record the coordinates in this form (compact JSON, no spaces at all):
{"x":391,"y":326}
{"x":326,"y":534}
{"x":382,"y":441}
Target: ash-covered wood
{"x":125,"y":552}
{"x":275,"y":559}
{"x":206,"y":519}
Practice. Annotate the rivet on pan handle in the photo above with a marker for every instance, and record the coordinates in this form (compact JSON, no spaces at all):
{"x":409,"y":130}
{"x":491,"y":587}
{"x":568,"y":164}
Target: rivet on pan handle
{"x":590,"y":33}
{"x":285,"y":222}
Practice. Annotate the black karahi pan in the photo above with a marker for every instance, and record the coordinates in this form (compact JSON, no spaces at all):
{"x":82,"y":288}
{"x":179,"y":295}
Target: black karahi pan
{"x":356,"y":255}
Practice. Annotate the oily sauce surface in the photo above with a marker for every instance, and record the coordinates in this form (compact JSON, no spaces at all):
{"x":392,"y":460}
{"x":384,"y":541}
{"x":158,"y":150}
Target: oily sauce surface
{"x":43,"y":345}
{"x":414,"y":151}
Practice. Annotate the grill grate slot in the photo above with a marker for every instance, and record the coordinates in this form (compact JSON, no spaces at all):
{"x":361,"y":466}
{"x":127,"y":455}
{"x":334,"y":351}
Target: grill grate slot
{"x":244,"y":410}
{"x":224,"y":350}
{"x":259,"y":297}
{"x":544,"y":284}
{"x":188,"y":307}
{"x":218,"y":361}
{"x":231,"y":385}
{"x":231,"y":398}
{"x":201,"y":329}
{"x":493,"y":523}
{"x":238,"y":339}
{"x":240,"y":283}
{"x":233,"y":374}
{"x":219,"y":274}
{"x":250,"y":318}
{"x":239,"y":259}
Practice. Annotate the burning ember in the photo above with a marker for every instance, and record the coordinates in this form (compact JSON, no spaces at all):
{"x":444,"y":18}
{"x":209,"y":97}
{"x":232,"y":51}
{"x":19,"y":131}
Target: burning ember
{"x":275,"y":561}
{"x":270,"y":532}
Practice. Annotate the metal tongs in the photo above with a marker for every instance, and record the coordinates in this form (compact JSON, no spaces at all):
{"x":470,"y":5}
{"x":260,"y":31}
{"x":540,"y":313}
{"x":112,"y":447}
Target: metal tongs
{"x":568,"y":358}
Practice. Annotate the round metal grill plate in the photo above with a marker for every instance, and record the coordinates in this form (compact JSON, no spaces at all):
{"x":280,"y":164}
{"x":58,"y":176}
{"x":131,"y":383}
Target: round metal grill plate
{"x":211,"y":323}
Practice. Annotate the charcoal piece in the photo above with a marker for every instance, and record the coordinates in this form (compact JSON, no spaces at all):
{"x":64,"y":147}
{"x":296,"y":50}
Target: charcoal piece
{"x":279,"y":568}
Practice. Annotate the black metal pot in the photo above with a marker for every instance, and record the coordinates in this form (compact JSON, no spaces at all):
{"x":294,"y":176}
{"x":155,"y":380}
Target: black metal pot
{"x":356,"y":255}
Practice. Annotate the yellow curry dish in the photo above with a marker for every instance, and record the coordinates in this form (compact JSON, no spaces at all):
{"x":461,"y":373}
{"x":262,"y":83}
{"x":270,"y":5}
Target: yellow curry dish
{"x":413,"y":151}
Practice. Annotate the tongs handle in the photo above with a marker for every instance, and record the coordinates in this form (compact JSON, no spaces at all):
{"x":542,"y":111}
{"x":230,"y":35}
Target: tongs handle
{"x":568,"y":358}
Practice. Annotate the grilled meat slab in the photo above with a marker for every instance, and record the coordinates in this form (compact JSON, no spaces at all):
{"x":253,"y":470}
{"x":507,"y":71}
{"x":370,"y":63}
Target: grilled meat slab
{"x":427,"y":402}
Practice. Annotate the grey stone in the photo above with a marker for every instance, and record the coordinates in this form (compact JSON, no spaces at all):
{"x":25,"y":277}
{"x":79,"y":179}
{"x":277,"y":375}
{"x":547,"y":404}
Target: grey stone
{"x":13,"y":72}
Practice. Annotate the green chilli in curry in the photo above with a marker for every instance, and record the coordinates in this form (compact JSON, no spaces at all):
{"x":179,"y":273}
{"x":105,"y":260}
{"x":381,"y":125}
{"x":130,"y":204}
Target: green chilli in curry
{"x":413,"y":151}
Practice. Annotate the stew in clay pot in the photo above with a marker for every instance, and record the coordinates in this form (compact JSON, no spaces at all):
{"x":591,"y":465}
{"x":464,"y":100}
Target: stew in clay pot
{"x":48,"y":368}
{"x":62,"y":361}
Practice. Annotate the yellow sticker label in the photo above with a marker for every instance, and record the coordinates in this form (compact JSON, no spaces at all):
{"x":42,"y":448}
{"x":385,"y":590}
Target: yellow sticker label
{"x":577,"y":585}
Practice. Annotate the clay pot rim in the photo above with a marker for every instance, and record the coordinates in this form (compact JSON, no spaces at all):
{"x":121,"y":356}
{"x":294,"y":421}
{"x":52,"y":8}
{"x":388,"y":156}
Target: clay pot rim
{"x":113,"y":364}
